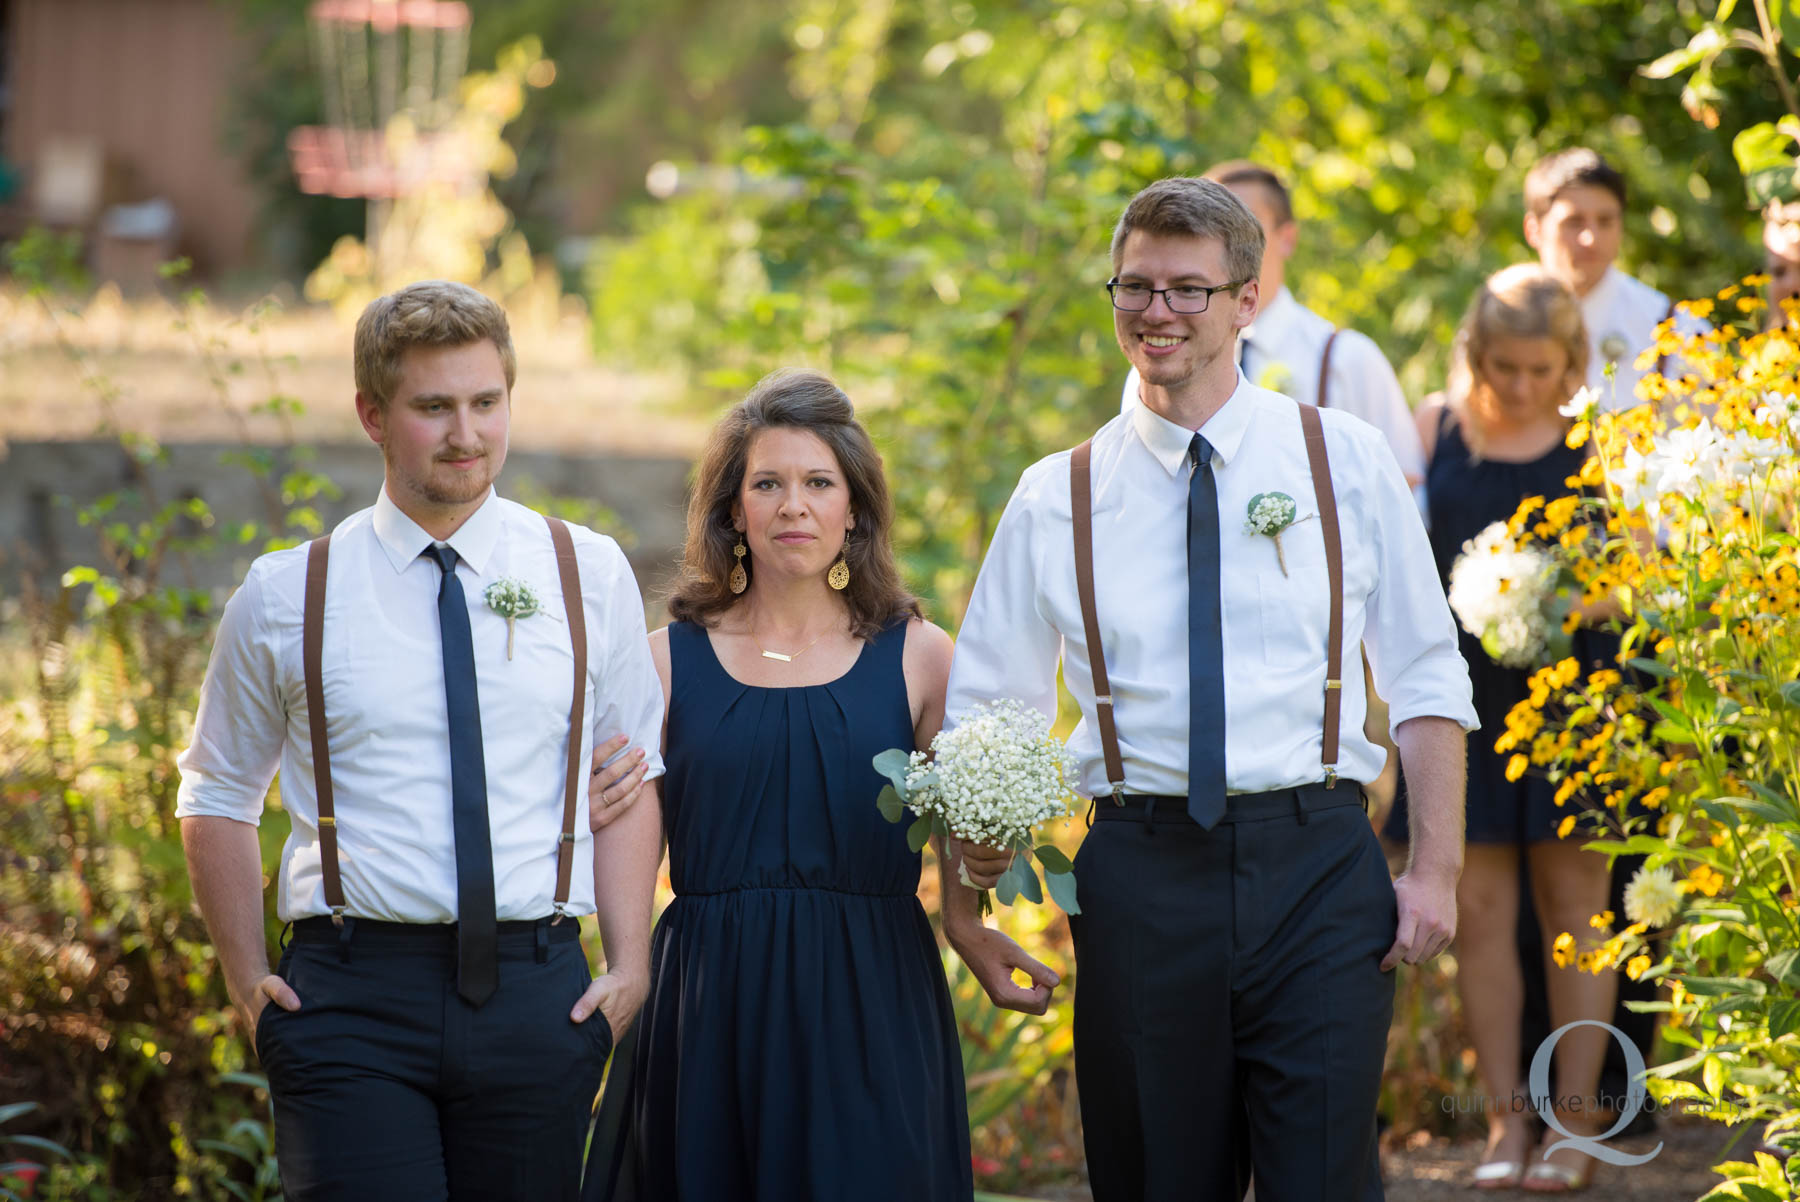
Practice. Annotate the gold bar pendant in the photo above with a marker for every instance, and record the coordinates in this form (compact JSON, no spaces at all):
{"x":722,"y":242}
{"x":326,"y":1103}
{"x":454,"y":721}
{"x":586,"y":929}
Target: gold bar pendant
{"x":786,"y":659}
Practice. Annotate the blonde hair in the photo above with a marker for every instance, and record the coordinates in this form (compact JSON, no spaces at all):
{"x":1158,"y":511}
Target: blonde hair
{"x":428,"y":313}
{"x":1523,"y":301}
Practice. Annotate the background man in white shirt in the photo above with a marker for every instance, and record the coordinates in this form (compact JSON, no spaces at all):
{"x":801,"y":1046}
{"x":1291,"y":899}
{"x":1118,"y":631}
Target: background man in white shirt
{"x":1574,"y":219}
{"x":1284,"y":348}
{"x":443,"y":1040}
{"x":1238,"y":922}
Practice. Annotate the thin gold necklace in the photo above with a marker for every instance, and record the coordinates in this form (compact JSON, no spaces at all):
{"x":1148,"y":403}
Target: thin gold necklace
{"x":786,"y":659}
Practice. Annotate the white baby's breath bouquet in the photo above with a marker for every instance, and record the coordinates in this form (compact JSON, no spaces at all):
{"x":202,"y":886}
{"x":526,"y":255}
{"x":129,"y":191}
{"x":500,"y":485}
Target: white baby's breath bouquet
{"x":994,"y":778}
{"x":1504,"y":594}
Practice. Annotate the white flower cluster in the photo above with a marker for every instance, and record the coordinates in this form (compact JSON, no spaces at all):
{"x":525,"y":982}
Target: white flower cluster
{"x":1687,"y":462}
{"x":1270,"y":513}
{"x":1500,"y":592}
{"x":511,"y":598}
{"x":997,"y":775}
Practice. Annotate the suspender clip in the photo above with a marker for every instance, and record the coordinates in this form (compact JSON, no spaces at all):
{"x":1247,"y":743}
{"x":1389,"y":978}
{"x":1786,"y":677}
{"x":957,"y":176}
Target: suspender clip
{"x":1331,"y":776}
{"x":561,"y":912}
{"x":1118,"y":792}
{"x":337,"y":917}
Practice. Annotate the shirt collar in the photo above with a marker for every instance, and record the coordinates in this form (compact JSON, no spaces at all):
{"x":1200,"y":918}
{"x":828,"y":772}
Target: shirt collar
{"x":1169,"y":442}
{"x":404,"y":540}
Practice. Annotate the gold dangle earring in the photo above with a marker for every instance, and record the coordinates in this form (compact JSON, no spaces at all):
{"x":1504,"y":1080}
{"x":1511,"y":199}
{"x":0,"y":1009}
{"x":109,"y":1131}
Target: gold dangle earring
{"x":740,"y":579}
{"x":839,"y":576}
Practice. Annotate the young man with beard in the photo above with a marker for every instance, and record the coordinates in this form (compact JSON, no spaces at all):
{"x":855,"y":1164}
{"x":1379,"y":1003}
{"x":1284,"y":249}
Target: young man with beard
{"x":430,"y":679}
{"x":1238,"y":924}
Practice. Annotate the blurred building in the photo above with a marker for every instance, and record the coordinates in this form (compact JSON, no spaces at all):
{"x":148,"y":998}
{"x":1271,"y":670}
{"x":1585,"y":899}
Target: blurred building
{"x":110,"y":124}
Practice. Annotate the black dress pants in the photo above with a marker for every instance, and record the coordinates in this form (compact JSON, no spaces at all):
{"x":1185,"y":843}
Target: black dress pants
{"x":389,"y":1087}
{"x":1231,"y":1015}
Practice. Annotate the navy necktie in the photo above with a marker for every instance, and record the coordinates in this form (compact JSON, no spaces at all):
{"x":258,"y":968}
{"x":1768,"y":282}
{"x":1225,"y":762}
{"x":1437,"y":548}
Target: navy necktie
{"x":477,"y":938}
{"x":1206,"y":650}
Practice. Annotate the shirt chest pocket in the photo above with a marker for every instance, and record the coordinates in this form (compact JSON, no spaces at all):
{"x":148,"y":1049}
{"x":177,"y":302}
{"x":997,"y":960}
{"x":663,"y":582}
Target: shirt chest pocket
{"x":1286,"y":612}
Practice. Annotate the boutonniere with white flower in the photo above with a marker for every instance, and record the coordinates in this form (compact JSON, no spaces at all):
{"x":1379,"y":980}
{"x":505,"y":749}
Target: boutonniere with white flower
{"x":1613,"y":347}
{"x":1271,"y":513}
{"x":512,"y":599}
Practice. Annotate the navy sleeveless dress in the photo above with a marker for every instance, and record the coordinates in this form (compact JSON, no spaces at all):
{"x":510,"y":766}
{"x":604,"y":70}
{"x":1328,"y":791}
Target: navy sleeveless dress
{"x":798,"y":1040}
{"x":1464,"y":495}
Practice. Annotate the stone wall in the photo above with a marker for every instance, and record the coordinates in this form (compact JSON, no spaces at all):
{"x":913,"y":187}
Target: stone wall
{"x":44,"y":485}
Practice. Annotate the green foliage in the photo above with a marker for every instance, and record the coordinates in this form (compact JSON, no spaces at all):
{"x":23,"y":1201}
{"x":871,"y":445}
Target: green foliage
{"x":115,"y":1017}
{"x":936,"y":234}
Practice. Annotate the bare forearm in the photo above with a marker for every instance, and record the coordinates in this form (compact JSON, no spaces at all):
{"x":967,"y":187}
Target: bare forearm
{"x":225,"y":864}
{"x":626,"y":855}
{"x":1433,"y":755}
{"x":957,"y":903}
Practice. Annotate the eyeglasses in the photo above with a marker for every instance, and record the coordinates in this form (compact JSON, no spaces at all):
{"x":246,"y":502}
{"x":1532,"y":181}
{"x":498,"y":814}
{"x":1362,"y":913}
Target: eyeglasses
{"x":1133,"y":297}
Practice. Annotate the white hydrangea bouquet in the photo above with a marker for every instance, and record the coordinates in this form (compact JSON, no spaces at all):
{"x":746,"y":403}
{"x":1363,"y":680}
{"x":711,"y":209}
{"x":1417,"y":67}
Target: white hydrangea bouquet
{"x":1504,"y":593}
{"x":994,"y":778}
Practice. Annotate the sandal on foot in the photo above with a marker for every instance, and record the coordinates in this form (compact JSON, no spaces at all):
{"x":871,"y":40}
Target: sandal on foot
{"x":1498,"y":1174}
{"x":1549,"y":1177}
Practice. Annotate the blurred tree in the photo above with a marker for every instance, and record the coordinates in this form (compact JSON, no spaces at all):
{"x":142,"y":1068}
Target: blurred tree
{"x":935,"y":232}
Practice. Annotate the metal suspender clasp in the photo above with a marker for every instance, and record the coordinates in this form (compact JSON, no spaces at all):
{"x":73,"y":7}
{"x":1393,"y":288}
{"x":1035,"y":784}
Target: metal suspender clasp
{"x":1331,"y":776}
{"x":561,"y":912}
{"x":337,"y":917}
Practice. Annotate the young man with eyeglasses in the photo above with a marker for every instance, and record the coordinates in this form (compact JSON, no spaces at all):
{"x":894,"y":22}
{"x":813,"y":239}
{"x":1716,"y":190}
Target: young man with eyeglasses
{"x":1291,"y":349}
{"x":1238,"y":924}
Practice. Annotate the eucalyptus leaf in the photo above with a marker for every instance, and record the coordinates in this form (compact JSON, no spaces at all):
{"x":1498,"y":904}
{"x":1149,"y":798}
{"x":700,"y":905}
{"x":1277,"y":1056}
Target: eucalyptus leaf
{"x":890,"y":805}
{"x":1006,"y":889}
{"x":1029,"y":886}
{"x":893,"y":764}
{"x":1062,"y":890}
{"x":1053,"y":859}
{"x":919,"y":833}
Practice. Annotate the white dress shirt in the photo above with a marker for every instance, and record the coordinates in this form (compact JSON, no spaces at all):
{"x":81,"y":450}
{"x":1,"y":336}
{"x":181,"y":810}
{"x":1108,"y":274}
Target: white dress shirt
{"x":1025,"y":609}
{"x":383,"y":676}
{"x":1621,"y":314}
{"x":1282,"y":351}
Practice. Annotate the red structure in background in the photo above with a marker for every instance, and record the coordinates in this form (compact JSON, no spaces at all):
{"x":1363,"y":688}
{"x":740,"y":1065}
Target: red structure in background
{"x":380,"y":60}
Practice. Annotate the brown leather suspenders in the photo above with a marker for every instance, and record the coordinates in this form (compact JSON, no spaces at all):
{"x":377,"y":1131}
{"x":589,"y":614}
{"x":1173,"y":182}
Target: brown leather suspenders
{"x":1081,"y":501}
{"x":1326,"y":497}
{"x":312,"y":642}
{"x":1324,"y":393}
{"x":570,"y":577}
{"x":1082,"y":511}
{"x":312,"y":646}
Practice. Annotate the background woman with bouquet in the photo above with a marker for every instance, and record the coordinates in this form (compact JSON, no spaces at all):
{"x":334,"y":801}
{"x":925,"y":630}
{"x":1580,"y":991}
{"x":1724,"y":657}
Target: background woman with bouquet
{"x":798,"y":1040}
{"x":1495,"y":437}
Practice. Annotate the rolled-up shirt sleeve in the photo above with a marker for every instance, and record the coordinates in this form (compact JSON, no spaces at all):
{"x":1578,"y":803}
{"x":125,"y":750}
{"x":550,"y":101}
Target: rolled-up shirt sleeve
{"x":628,"y":697}
{"x":242,"y":721}
{"x":1006,"y":647}
{"x":1410,"y":634}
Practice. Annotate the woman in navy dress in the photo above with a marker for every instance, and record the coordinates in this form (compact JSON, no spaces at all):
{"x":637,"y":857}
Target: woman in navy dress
{"x":798,"y":1040}
{"x":1494,"y":439}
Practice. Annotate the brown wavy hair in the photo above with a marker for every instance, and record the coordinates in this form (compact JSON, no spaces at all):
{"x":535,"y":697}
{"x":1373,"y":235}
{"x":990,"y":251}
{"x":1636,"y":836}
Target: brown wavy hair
{"x":791,"y":399}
